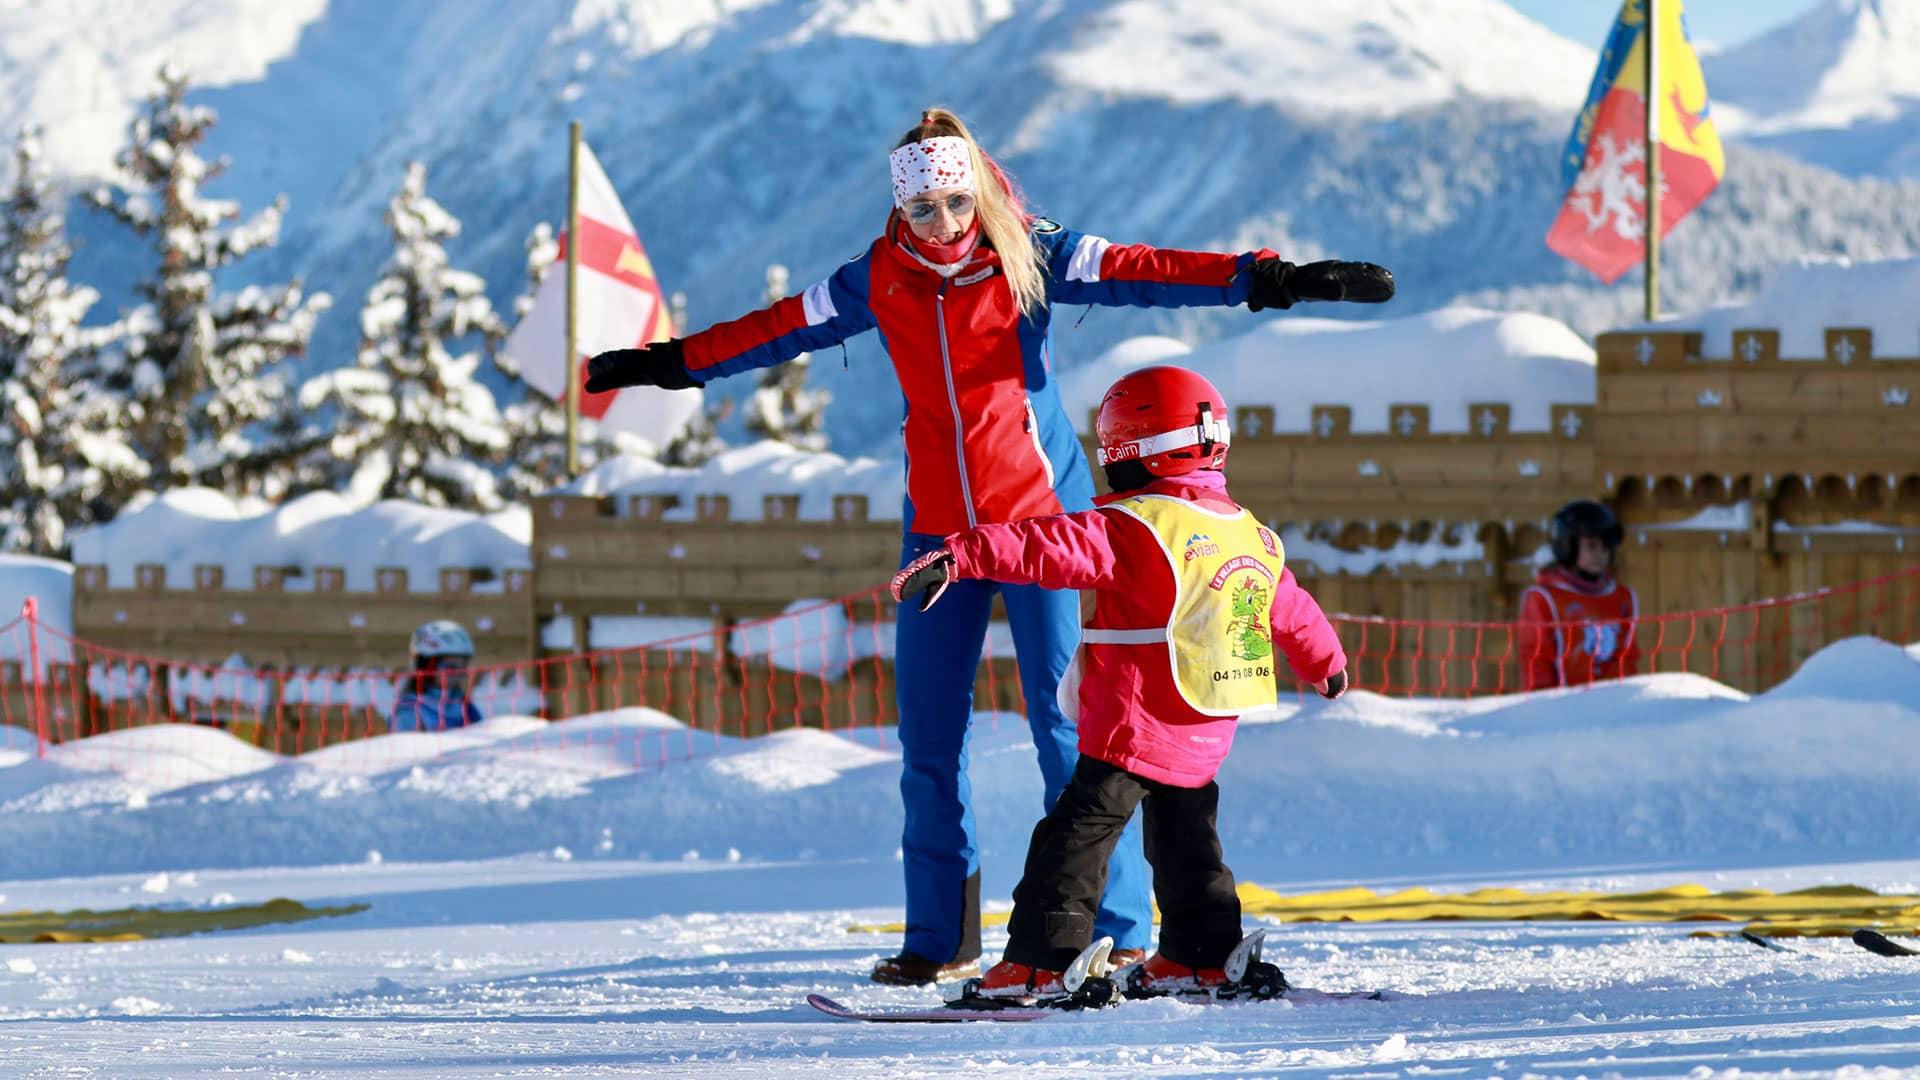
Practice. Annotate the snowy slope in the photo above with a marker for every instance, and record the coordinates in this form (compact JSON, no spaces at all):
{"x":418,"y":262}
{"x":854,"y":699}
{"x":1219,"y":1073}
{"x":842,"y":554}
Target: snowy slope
{"x":80,"y":67}
{"x":1370,"y":58}
{"x":1839,"y":86}
{"x":541,"y":906}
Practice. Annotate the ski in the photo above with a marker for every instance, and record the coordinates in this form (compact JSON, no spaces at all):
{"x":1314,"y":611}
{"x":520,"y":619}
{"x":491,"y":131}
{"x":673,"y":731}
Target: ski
{"x":1087,"y":988}
{"x":1016,"y":1013}
{"x":1876,"y":942}
{"x":944,"y":1014}
{"x":1084,"y":984}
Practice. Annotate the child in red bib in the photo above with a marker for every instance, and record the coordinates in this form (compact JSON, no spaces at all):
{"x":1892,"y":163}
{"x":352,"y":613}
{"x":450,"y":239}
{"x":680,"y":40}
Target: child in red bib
{"x":1194,"y":606}
{"x":1577,"y":619}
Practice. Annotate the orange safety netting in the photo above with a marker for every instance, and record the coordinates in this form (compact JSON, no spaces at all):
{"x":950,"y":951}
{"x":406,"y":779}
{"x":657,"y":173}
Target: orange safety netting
{"x":826,"y":666}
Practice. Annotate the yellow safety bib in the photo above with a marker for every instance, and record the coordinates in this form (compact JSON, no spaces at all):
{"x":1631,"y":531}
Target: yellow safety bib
{"x":1225,"y":569}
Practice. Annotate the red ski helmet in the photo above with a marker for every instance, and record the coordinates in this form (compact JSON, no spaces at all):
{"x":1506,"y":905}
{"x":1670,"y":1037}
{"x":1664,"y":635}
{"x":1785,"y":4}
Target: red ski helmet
{"x":1171,"y":420}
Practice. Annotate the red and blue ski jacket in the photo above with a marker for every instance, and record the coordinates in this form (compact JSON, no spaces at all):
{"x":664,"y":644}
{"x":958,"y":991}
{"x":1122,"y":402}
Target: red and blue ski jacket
{"x":986,"y":437}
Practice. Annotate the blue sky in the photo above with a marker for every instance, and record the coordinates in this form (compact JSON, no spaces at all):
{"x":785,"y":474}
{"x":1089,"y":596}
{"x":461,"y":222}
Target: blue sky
{"x":1720,"y":22}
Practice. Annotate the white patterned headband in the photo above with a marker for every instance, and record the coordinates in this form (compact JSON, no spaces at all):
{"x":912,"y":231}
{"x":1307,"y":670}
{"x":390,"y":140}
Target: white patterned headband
{"x":920,"y":167}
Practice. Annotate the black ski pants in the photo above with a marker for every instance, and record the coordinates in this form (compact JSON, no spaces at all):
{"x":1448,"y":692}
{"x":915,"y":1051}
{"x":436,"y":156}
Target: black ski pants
{"x":1067,"y":869}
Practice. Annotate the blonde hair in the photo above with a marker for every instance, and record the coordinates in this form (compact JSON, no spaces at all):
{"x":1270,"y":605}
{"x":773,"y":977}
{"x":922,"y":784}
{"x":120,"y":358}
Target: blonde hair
{"x":997,"y":206}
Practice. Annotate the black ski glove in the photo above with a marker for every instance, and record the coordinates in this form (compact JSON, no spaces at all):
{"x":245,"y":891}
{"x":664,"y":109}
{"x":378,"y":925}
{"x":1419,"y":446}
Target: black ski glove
{"x":930,"y":574}
{"x":1335,"y":685}
{"x":1280,"y":284}
{"x":662,"y":364}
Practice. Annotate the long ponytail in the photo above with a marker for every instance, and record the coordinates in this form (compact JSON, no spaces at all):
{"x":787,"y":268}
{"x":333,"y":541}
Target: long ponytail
{"x":997,"y":204}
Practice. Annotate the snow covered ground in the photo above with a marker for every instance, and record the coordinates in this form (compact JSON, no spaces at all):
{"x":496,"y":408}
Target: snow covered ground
{"x":541,"y":906}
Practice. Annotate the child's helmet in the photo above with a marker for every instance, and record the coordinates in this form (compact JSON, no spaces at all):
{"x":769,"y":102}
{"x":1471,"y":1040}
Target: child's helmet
{"x":441,"y":637}
{"x":1583,"y":517}
{"x":1171,"y":420}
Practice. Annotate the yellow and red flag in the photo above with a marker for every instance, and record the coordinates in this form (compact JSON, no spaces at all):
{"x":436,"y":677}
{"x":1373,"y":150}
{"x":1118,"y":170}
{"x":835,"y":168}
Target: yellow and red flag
{"x":1602,"y":222}
{"x":619,"y":305}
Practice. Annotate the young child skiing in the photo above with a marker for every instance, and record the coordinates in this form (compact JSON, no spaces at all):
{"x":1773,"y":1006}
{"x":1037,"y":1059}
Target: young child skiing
{"x":1169,"y":660}
{"x":1577,"y":619}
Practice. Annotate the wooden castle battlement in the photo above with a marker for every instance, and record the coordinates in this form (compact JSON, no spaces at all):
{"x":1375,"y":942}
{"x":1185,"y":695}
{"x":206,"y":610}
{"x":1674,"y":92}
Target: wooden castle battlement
{"x":1739,"y":477}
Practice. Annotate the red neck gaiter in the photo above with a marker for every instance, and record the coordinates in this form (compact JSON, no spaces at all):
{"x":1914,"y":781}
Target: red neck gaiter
{"x":945,"y":254}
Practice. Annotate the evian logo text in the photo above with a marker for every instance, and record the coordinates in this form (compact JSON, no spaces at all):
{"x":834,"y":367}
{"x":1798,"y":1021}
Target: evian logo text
{"x":1200,"y":546}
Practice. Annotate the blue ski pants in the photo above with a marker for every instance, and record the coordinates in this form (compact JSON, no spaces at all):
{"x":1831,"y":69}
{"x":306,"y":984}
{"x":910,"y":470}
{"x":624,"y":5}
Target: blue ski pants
{"x":937,"y":654}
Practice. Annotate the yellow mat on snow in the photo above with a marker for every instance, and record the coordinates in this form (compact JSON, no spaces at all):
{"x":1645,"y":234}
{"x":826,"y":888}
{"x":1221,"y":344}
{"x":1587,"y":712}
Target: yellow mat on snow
{"x":1823,"y":911}
{"x":136,"y":924}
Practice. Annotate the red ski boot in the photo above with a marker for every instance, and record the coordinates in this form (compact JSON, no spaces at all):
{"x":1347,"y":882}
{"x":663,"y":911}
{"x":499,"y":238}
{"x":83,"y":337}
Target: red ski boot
{"x":1158,"y":976}
{"x":1008,"y":980}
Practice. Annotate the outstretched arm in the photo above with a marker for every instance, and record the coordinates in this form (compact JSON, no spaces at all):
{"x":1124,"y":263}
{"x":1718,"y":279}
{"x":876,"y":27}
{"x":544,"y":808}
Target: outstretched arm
{"x":1062,"y":551}
{"x":1087,"y":269}
{"x":827,"y":313}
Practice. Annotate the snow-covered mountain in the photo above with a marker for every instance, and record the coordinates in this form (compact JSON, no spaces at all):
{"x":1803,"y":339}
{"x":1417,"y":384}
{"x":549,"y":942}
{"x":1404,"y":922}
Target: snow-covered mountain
{"x":1839,"y":86}
{"x":1420,"y":133}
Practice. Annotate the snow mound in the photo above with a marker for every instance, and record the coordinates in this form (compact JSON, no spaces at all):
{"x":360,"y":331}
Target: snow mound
{"x":1655,"y":767}
{"x":1446,"y":359}
{"x":1806,"y":297}
{"x":187,"y":527}
{"x":48,"y":581}
{"x":747,"y":474}
{"x":1856,"y":669}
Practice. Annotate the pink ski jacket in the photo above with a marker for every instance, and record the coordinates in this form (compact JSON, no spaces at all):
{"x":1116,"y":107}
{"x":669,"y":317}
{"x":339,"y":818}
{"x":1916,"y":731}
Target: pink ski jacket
{"x":1131,"y":713}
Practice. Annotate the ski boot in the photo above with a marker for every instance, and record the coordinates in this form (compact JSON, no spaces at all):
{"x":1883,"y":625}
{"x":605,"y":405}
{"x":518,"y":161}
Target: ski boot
{"x":1243,"y":976}
{"x":1010,"y":985}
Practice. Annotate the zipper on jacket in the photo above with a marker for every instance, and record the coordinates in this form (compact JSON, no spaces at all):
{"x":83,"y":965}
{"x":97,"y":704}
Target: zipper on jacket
{"x":953,"y":399}
{"x":1033,"y":429}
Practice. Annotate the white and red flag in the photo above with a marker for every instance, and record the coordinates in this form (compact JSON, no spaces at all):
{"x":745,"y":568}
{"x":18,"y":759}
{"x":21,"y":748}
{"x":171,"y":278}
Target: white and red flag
{"x":619,"y":305}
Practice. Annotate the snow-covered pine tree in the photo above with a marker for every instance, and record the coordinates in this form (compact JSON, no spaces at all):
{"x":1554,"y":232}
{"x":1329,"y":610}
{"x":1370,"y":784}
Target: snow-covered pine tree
{"x":782,"y":408}
{"x":537,"y":424}
{"x":202,"y":369}
{"x":63,"y":462}
{"x":413,"y":421}
{"x":700,"y":440}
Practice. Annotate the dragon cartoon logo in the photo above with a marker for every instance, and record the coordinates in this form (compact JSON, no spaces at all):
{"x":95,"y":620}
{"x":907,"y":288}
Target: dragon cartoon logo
{"x":1248,"y":630}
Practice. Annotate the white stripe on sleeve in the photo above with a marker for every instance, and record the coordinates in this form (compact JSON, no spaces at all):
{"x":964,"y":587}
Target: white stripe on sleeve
{"x":1085,"y":265}
{"x":818,"y":303}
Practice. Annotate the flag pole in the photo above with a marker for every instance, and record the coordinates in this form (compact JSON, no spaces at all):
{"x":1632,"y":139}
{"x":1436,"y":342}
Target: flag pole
{"x":573,"y":265}
{"x":1651,"y":58}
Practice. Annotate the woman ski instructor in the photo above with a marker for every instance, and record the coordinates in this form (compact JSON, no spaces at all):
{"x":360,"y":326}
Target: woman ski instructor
{"x":961,"y":285}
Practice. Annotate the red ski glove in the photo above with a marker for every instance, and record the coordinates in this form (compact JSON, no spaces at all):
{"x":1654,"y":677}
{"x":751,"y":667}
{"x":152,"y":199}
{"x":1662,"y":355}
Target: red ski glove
{"x":925,"y":577}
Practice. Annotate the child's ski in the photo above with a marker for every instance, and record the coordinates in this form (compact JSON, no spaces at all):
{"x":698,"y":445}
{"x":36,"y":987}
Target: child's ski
{"x":1087,"y":988}
{"x":1005,"y":1013}
{"x":943,"y":1014}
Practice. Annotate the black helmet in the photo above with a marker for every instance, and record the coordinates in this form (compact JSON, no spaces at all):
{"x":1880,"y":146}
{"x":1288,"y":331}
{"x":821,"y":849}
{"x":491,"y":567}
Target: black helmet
{"x":1583,"y":517}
